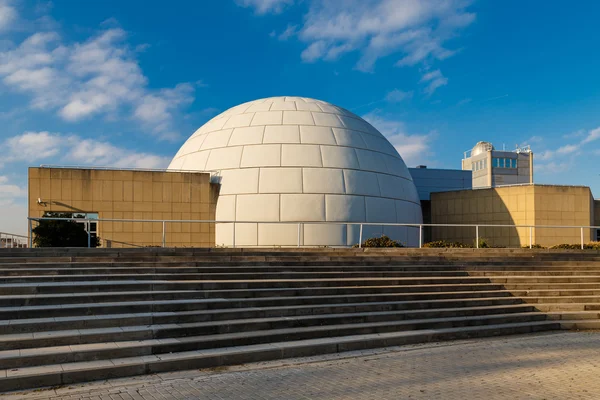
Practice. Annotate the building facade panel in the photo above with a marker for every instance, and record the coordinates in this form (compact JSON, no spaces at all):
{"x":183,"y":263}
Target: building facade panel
{"x":529,"y":205}
{"x":107,"y":194}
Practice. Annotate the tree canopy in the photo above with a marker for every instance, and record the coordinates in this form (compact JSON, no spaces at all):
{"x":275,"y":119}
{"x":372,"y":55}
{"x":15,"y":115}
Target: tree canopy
{"x":53,"y":233}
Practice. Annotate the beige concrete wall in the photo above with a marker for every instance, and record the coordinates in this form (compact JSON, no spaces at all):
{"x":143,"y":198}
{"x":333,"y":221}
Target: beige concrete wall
{"x":563,"y":205}
{"x":130,"y":195}
{"x":514,"y":205}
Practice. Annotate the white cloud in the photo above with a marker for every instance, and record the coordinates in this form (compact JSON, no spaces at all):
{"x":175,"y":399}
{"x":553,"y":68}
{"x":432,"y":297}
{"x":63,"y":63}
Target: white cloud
{"x":592,"y":135}
{"x":416,"y":29}
{"x":313,"y":52}
{"x":290,"y":31}
{"x":13,"y":210}
{"x":8,"y":15}
{"x":553,"y":167}
{"x":99,"y":76}
{"x":396,"y":96}
{"x":434,"y":80}
{"x":73,"y":149}
{"x":266,"y":6}
{"x":10,"y":191}
{"x":414,"y":149}
{"x":32,"y":146}
{"x":54,"y":148}
{"x":570,"y":149}
{"x":567,"y":149}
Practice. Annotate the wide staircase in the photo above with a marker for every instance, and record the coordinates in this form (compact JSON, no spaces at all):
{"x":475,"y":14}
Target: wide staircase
{"x":75,"y":315}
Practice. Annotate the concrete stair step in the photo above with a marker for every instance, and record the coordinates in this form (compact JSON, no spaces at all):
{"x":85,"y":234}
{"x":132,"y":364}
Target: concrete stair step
{"x":565,"y":293}
{"x":25,"y":325}
{"x":72,"y":372}
{"x":562,"y":273}
{"x":222,"y":288}
{"x":282,"y":296}
{"x":225,"y":306}
{"x":107,"y":350}
{"x":25,"y":276}
{"x":557,"y":307}
{"x":552,"y":298}
{"x":573,"y":315}
{"x":198,"y":267}
{"x":108,"y":276}
{"x":580,"y":324}
{"x":347,"y":325}
{"x":551,"y":286}
{"x":546,"y":279}
{"x":308,"y":261}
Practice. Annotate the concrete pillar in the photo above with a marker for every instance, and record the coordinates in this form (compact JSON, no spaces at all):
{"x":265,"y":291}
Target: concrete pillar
{"x":530,"y":167}
{"x":489,"y":169}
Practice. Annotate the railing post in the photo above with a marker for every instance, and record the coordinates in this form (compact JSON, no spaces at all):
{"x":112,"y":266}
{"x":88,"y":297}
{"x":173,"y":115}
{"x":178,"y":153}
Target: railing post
{"x":164,"y":236}
{"x":360,"y":236}
{"x":233,"y":242}
{"x":477,"y":236}
{"x":89,"y":234}
{"x":581,"y":238}
{"x":30,"y":234}
{"x":530,"y":237}
{"x":299,"y":229}
{"x":420,"y":236}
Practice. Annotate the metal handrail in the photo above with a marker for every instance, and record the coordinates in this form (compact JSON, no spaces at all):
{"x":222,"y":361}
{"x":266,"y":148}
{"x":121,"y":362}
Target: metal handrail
{"x":11,"y":236}
{"x":302,"y":223}
{"x":104,"y":168}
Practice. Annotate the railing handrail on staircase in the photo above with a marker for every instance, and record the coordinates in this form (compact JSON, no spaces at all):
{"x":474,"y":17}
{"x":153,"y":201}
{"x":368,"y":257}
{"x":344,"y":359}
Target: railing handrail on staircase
{"x":302,"y":223}
{"x":4,"y":242}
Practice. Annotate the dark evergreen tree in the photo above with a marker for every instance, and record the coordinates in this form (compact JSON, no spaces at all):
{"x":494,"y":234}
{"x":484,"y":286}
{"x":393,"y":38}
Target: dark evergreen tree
{"x":62,"y":233}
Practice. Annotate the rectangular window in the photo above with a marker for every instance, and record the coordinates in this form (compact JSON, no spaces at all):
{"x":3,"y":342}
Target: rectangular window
{"x":495,"y":163}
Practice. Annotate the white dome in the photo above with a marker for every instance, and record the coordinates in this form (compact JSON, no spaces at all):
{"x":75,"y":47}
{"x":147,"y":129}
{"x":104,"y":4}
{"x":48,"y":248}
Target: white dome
{"x":301,"y":160}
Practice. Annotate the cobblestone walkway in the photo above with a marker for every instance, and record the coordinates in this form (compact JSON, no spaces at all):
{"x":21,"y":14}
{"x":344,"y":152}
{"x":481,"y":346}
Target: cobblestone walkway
{"x":544,"y":366}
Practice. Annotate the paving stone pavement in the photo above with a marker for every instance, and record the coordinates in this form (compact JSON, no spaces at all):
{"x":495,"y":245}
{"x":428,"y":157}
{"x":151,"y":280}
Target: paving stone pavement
{"x":563,"y":365}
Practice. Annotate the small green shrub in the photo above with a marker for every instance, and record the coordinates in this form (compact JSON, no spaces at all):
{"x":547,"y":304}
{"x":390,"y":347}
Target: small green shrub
{"x":533,"y":246}
{"x":567,"y":246}
{"x":483,"y":243}
{"x":444,"y":244}
{"x":382,"y":241}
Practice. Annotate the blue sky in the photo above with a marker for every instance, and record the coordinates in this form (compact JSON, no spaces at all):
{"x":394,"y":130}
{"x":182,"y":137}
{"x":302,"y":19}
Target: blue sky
{"x":123,"y":83}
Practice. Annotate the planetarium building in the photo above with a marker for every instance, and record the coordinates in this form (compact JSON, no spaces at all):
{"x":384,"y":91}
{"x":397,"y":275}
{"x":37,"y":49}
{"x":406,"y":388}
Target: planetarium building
{"x":296,"y":171}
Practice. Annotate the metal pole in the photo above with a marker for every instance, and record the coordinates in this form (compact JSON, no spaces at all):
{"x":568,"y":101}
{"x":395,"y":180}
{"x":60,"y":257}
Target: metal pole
{"x":164,"y":237}
{"x":89,"y":235}
{"x":299,"y":234}
{"x":30,"y":234}
{"x":420,"y":236}
{"x":477,"y":236}
{"x":530,"y":237}
{"x":12,"y":241}
{"x":234,"y":235}
{"x":582,"y":238}
{"x":360,"y":237}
